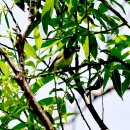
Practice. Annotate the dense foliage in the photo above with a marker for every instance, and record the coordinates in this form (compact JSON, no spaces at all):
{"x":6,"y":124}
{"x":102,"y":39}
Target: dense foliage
{"x":55,"y":24}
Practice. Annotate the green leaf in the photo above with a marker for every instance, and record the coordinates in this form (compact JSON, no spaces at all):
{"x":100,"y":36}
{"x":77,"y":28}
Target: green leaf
{"x":61,"y":105}
{"x":6,"y":19}
{"x":47,"y":101}
{"x":19,"y":126}
{"x":113,"y":24}
{"x":72,"y":7}
{"x":125,"y":84}
{"x":45,"y":21}
{"x":99,"y":17}
{"x":5,"y":120}
{"x":0,"y":16}
{"x":4,"y":68}
{"x":102,"y":8}
{"x":30,"y":50}
{"x":54,"y":22}
{"x":33,"y":26}
{"x":93,"y":46}
{"x":49,"y":5}
{"x":122,"y":40}
{"x":125,"y":55}
{"x":123,"y":9}
{"x":85,"y":44}
{"x":116,"y":52}
{"x":48,"y":43}
{"x":38,"y":38}
{"x":47,"y":11}
{"x":40,"y":82}
{"x":101,"y":36}
{"x":117,"y":82}
{"x":128,"y":1}
{"x":30,"y":63}
{"x":106,"y":77}
{"x":52,"y":44}
{"x":69,"y":25}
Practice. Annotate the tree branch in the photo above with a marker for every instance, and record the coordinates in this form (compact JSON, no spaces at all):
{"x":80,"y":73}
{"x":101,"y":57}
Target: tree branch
{"x":20,"y":72}
{"x":89,"y":105}
{"x":115,"y":12}
{"x":81,"y":113}
{"x":7,"y":47}
{"x":12,"y":15}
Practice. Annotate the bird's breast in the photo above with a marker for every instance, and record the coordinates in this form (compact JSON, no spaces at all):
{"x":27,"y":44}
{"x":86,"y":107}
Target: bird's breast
{"x":62,"y":63}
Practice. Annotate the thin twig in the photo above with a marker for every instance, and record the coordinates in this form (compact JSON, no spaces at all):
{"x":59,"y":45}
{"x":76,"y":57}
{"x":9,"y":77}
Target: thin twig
{"x":115,"y":12}
{"x":80,"y":109}
{"x":7,"y":47}
{"x":12,"y":15}
{"x":89,"y":105}
{"x":58,"y":107}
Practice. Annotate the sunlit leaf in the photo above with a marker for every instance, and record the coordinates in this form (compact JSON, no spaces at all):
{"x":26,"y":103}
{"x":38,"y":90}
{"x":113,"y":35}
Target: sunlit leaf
{"x":72,"y":7}
{"x":101,"y":36}
{"x":0,"y":16}
{"x":123,"y":40}
{"x":85,"y":44}
{"x":4,"y":68}
{"x":30,"y":63}
{"x":30,"y":50}
{"x":38,"y":38}
{"x":49,"y":5}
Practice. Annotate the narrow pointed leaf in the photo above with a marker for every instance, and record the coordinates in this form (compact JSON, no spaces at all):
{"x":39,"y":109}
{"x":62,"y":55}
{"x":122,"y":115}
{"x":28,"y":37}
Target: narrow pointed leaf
{"x":38,"y":39}
{"x":117,"y":82}
{"x":30,"y":50}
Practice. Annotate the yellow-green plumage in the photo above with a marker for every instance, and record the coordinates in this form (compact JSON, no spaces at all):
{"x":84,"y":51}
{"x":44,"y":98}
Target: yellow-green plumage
{"x":64,"y":59}
{"x":63,"y":62}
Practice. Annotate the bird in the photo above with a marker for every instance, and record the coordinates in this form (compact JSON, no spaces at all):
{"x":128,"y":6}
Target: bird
{"x":64,"y":59}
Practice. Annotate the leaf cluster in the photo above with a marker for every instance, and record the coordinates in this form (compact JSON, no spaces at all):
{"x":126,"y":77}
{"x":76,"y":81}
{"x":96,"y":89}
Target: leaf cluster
{"x":63,"y":23}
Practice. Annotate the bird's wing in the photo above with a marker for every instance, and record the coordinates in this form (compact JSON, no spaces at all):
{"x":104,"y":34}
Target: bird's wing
{"x":52,"y":64}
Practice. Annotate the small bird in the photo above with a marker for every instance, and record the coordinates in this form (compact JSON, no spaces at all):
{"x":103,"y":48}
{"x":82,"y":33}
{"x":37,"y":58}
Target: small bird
{"x":64,"y":59}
